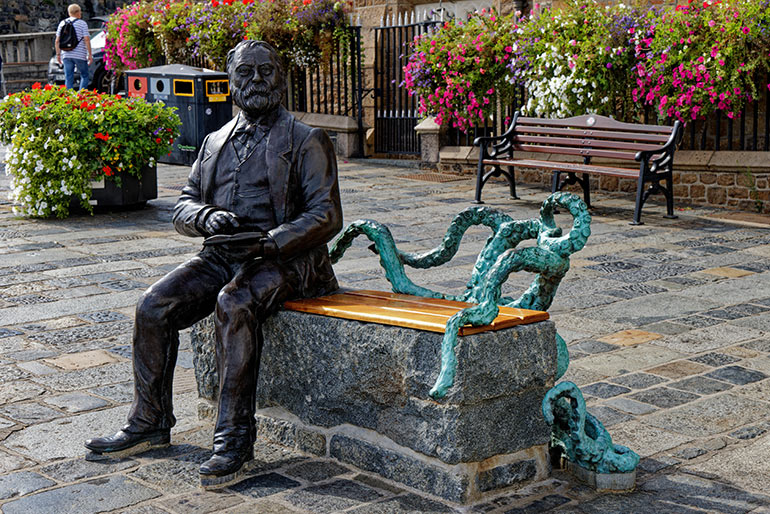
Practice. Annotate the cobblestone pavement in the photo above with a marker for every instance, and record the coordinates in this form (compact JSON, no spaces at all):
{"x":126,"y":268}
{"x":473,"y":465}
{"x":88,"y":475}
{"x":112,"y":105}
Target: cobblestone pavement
{"x":667,"y":325}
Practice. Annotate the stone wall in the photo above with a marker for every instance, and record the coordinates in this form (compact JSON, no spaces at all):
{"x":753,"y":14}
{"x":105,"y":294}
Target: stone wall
{"x":731,"y":180}
{"x":22,"y":16}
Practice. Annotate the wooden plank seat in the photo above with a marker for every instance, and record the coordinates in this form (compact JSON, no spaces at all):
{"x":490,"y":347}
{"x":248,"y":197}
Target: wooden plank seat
{"x":650,"y":147}
{"x":408,"y":311}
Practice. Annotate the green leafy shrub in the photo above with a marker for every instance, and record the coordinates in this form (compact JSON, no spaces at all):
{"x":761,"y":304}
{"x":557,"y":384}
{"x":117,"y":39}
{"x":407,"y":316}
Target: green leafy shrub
{"x":60,"y":140}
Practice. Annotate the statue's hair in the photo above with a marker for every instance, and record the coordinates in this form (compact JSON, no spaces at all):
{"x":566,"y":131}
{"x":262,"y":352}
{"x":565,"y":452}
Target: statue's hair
{"x":251,"y":43}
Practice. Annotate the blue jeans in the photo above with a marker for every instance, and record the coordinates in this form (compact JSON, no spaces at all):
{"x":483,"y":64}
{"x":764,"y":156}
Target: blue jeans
{"x":69,"y":72}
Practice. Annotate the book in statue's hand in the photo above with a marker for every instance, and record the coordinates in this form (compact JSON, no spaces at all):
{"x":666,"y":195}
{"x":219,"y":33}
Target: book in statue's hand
{"x":234,"y":239}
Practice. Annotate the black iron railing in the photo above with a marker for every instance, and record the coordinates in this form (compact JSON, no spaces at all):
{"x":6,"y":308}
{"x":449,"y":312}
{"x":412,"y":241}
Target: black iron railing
{"x":333,"y":87}
{"x":395,"y":111}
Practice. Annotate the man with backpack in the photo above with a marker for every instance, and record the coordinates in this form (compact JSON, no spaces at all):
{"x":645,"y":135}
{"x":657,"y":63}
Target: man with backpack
{"x":73,"y":48}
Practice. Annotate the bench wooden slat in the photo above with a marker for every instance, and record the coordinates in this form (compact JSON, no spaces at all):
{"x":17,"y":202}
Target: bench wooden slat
{"x":582,"y":152}
{"x":594,"y":134}
{"x":577,"y":142}
{"x":600,"y":122}
{"x":408,"y":311}
{"x":569,"y":166}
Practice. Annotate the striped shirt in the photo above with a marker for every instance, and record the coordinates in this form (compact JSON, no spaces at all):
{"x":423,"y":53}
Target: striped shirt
{"x":81,"y":29}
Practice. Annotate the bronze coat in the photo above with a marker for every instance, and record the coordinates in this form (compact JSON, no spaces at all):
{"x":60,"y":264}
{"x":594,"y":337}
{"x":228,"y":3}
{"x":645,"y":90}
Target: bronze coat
{"x":304,"y":195}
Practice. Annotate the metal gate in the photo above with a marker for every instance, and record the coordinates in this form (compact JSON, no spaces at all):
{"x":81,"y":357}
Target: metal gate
{"x":395,"y":112}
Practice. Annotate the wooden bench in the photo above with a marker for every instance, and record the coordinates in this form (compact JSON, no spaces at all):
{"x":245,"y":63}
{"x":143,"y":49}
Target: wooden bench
{"x":408,"y":311}
{"x":589,"y":136}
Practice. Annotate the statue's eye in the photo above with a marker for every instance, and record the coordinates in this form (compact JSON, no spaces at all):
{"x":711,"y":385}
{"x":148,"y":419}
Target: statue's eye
{"x":266,"y":70}
{"x":244,"y":71}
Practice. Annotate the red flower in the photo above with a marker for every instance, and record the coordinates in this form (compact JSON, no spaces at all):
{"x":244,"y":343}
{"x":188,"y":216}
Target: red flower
{"x":107,"y":171}
{"x":103,"y":137}
{"x":157,"y":140}
{"x":84,"y":105}
{"x":48,"y":87}
{"x":36,"y":85}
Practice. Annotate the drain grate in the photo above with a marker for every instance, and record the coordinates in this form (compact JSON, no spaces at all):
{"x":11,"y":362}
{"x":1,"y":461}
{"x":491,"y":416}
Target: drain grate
{"x":434,"y":177}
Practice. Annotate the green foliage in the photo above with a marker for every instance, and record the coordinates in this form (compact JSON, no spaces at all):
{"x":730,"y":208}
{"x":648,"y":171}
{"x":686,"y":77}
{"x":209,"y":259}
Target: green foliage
{"x":304,"y":32}
{"x":684,"y":61}
{"x":458,"y":71}
{"x":60,"y":140}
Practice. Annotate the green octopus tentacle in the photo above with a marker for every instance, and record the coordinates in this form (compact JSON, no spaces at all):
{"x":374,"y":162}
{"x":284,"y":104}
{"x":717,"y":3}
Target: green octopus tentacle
{"x":549,"y":260}
{"x":454,"y":234}
{"x":582,"y":437}
{"x":380,"y":235}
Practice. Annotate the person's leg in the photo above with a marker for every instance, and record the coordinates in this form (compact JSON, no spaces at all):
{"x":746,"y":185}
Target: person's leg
{"x":242,"y":305}
{"x":184,"y":296}
{"x":69,"y":73}
{"x":85,"y":77}
{"x":176,"y":301}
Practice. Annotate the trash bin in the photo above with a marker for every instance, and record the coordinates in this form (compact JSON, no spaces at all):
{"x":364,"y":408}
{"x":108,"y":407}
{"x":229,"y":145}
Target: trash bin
{"x":201,"y":97}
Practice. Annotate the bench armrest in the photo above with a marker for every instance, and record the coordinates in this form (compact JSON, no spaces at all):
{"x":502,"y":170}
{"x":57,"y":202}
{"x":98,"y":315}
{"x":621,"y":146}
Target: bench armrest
{"x":494,"y":146}
{"x":664,"y":155}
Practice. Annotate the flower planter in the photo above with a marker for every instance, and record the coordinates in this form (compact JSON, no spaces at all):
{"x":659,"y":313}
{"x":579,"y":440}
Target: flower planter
{"x":131,"y":192}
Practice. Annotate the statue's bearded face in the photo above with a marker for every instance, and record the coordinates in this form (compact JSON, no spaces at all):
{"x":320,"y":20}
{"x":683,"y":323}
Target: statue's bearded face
{"x":256,"y":80}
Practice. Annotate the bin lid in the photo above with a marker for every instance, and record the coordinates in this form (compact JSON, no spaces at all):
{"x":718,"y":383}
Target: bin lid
{"x":178,"y":70}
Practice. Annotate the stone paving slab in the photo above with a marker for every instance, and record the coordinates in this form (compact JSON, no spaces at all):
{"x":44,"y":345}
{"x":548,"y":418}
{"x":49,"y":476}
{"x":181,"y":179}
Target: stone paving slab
{"x":667,"y":325}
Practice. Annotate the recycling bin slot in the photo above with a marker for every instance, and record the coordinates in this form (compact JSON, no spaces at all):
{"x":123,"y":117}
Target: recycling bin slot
{"x":184,"y":87}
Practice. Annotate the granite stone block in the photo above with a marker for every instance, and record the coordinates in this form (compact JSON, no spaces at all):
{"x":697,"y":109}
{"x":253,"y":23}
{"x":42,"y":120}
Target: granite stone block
{"x":604,"y":390}
{"x":737,"y":375}
{"x":330,"y":372}
{"x":317,"y":471}
{"x":544,"y":504}
{"x":700,"y":385}
{"x":406,"y":504}
{"x":98,"y":495}
{"x":638,"y":380}
{"x":332,"y":497}
{"x":663,"y":397}
{"x":506,"y":475}
{"x":264,"y":485}
{"x":710,"y":415}
{"x":397,"y":466}
{"x":22,"y":483}
{"x":715,"y":359}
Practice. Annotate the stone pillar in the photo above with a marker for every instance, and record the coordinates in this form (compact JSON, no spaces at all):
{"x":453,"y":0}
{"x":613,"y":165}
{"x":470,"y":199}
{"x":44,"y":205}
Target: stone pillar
{"x":429,"y":133}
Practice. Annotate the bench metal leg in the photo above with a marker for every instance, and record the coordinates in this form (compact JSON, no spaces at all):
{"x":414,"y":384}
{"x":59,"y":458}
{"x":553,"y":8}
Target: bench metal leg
{"x":586,"y":189}
{"x":555,"y":182}
{"x":479,"y":183}
{"x":669,"y":192}
{"x":640,"y":198}
{"x":512,"y":182}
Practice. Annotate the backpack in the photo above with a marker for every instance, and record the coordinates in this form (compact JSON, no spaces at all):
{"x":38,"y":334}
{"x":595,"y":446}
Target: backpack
{"x":68,"y":37}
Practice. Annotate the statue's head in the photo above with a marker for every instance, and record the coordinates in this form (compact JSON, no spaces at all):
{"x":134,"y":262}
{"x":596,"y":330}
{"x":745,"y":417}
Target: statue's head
{"x":257,"y":81}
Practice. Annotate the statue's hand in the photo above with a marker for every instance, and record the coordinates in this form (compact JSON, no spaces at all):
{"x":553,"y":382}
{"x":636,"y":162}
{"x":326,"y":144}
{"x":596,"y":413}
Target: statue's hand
{"x":221,"y":222}
{"x":244,"y":246}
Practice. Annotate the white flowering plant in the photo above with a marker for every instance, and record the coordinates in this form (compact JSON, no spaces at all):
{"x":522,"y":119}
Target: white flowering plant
{"x":60,"y":140}
{"x":577,"y":60}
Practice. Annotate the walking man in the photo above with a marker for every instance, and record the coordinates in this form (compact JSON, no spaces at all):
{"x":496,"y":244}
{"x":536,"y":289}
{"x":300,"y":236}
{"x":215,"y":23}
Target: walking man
{"x":264,"y":193}
{"x":73,"y":48}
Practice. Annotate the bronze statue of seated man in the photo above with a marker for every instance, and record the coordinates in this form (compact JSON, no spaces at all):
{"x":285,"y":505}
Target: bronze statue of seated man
{"x":264,"y":194}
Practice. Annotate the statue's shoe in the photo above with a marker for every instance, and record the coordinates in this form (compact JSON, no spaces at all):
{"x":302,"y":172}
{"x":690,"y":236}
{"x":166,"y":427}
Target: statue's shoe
{"x":123,"y":444}
{"x":225,"y":468}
